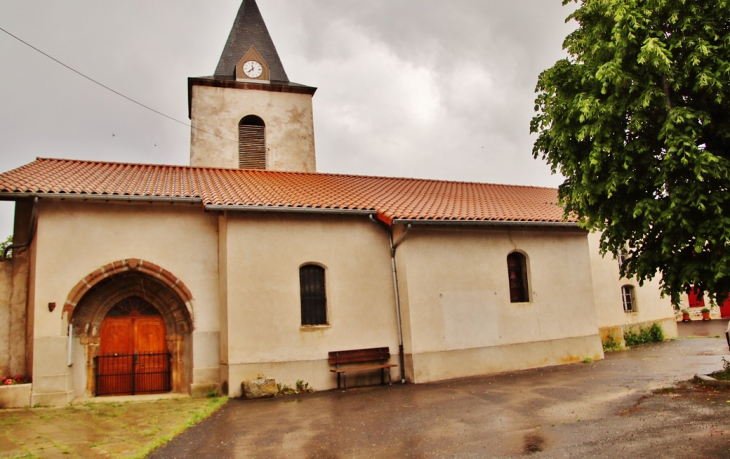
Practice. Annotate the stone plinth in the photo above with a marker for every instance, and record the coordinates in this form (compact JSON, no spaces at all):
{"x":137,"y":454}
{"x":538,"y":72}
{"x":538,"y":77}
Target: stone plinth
{"x":15,"y":395}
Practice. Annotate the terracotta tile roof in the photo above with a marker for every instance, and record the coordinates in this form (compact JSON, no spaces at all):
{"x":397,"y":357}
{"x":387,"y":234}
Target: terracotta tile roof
{"x":390,"y":198}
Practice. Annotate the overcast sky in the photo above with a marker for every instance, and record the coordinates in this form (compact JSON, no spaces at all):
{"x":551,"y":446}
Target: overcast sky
{"x":409,"y":88}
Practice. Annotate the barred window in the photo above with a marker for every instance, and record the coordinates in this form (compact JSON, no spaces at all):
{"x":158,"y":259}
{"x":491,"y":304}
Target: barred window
{"x":629,"y":299}
{"x":313,"y":295}
{"x":517,"y":271}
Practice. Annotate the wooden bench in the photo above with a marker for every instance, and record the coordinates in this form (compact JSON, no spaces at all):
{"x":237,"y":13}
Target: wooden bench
{"x":375,"y":356}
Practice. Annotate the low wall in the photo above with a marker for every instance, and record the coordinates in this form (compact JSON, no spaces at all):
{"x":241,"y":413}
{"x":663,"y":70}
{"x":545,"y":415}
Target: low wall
{"x":669,"y":326}
{"x":6,"y":290}
{"x":437,"y":366}
{"x":13,"y":294}
{"x":15,"y":395}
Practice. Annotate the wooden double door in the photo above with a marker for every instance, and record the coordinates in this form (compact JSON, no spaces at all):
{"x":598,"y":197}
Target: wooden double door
{"x":133,"y":356}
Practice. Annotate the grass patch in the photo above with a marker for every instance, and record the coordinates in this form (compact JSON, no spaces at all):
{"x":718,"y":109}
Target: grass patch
{"x":723,"y":374}
{"x":118,"y":429}
{"x":213,"y":404}
{"x":697,"y":337}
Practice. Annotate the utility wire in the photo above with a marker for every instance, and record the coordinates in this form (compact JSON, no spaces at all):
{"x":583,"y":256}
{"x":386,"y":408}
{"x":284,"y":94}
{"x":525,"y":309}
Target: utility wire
{"x":110,"y":89}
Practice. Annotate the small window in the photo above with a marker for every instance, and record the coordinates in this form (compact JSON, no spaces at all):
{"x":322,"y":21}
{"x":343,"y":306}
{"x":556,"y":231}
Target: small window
{"x":629,"y":299}
{"x":517,"y":271}
{"x":313,"y":295}
{"x":251,"y":143}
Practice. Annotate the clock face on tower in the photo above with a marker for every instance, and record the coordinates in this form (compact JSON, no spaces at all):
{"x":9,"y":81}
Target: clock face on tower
{"x":252,"y":69}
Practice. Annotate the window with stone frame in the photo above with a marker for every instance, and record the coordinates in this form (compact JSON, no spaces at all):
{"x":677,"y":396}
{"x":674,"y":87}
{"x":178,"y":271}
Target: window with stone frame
{"x":629,"y":298}
{"x":517,"y":275}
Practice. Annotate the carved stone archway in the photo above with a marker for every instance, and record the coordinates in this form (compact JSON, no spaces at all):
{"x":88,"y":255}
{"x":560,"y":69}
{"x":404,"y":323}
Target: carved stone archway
{"x":91,"y":299}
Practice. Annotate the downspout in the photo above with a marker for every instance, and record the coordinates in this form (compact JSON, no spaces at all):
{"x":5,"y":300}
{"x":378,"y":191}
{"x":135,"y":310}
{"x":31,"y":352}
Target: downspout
{"x":393,"y":247}
{"x":31,"y":231}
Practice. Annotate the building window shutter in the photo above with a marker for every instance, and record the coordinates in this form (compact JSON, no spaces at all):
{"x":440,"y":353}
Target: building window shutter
{"x":517,"y":271}
{"x":696,"y":298}
{"x":313,"y":295}
{"x":251,"y":143}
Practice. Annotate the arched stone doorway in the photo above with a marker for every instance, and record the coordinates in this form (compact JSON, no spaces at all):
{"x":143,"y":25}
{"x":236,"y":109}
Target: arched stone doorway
{"x":106,"y":290}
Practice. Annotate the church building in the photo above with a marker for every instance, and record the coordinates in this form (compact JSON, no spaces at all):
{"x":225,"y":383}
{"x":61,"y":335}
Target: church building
{"x":141,"y":278}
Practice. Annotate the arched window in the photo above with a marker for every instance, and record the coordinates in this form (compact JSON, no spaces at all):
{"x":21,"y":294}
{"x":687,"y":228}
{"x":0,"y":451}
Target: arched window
{"x":251,"y":143}
{"x":517,"y":271}
{"x":629,"y":299}
{"x":313,"y":295}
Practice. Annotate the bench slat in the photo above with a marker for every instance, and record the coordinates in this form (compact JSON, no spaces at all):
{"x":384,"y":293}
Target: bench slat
{"x":359,"y":355}
{"x":371,"y":367}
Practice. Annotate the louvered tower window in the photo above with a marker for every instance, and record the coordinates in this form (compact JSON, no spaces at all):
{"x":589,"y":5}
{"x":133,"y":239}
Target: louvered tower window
{"x":251,"y":143}
{"x":313,"y":295}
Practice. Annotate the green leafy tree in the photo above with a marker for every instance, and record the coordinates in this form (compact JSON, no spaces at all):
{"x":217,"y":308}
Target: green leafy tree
{"x":5,"y":244}
{"x":637,"y":120}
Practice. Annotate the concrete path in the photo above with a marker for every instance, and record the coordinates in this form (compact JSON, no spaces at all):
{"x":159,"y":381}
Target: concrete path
{"x":599,"y":409}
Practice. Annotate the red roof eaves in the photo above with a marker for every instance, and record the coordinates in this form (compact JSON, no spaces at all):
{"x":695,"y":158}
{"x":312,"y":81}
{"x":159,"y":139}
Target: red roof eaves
{"x":391,"y":199}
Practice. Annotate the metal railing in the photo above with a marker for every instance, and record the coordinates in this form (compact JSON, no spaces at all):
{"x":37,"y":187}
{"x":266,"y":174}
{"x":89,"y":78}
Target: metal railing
{"x":130,"y":374}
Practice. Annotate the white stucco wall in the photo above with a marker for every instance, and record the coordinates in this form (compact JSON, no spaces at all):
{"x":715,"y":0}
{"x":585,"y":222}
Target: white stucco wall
{"x":289,"y":127}
{"x":265,"y":335}
{"x":242,"y":269}
{"x":650,"y":306}
{"x":73,"y":239}
{"x":460,"y":320}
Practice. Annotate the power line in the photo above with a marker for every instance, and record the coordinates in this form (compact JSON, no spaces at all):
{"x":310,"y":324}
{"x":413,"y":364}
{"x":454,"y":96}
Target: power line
{"x":112,"y":90}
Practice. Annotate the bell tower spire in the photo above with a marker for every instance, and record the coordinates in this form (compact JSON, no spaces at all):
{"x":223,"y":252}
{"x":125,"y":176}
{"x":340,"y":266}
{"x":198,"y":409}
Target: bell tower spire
{"x":248,"y":114}
{"x":249,"y":30}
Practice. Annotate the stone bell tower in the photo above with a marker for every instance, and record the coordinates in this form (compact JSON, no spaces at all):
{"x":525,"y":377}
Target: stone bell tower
{"x":248,"y":114}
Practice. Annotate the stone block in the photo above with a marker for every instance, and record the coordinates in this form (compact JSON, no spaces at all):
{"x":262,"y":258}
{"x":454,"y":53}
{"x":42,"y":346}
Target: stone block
{"x":206,"y":375}
{"x":204,"y":390}
{"x":259,"y":388}
{"x":51,"y":399}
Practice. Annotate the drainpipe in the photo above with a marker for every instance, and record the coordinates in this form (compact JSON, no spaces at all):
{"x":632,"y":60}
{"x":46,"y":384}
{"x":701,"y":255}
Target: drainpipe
{"x":393,"y":247}
{"x":31,"y":231}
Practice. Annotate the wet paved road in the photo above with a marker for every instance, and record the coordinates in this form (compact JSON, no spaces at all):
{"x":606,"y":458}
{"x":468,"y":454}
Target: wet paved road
{"x":581,"y":410}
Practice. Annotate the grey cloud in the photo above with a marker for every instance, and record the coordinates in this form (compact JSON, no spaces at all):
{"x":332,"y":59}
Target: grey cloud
{"x":453,"y":102}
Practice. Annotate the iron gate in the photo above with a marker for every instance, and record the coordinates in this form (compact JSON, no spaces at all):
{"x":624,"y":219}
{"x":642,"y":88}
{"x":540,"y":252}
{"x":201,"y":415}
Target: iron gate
{"x":130,"y":374}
